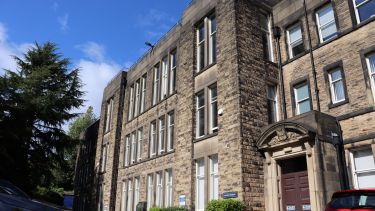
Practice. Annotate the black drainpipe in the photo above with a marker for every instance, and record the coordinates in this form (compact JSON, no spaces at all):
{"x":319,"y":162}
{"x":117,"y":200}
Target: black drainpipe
{"x":277,"y":34}
{"x":339,"y":145}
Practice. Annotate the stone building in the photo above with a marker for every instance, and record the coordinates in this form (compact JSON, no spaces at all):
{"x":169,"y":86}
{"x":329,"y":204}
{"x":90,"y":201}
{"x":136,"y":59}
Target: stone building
{"x":270,"y":102}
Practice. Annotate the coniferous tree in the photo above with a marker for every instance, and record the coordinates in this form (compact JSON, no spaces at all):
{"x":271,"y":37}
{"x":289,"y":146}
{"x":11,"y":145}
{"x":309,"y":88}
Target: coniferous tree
{"x":35,"y":101}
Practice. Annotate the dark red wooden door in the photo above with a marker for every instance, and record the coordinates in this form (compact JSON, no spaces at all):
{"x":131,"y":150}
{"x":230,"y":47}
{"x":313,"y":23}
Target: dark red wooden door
{"x":295,"y":185}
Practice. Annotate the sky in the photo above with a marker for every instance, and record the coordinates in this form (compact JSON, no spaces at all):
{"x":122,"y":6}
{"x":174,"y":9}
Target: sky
{"x":99,"y":37}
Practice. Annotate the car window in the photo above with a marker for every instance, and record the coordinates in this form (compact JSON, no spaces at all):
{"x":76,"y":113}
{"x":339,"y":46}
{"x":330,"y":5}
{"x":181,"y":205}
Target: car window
{"x":351,"y":200}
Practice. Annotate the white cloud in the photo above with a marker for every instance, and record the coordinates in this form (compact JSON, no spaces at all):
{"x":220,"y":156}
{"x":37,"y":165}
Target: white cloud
{"x":63,"y":22}
{"x":55,"y":6}
{"x":8,"y":50}
{"x":93,"y":51}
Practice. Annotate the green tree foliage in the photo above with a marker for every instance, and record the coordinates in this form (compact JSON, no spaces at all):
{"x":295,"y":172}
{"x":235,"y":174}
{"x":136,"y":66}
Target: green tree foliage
{"x":35,"y":101}
{"x":81,"y":123}
{"x":225,"y":205}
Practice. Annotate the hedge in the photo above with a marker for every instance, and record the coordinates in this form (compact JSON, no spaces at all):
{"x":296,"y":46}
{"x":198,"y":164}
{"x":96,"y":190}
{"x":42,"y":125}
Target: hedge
{"x":225,"y":205}
{"x":168,"y":209}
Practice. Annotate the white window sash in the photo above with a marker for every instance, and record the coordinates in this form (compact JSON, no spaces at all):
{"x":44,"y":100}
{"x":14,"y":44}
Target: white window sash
{"x":212,"y":34}
{"x":333,"y":86}
{"x":268,"y":31}
{"x":139,"y":145}
{"x":136,"y":193}
{"x":133,"y":147}
{"x":199,"y":44}
{"x":295,"y":43}
{"x":274,"y":101}
{"x":152,"y":139}
{"x":371,"y":73}
{"x":170,"y":131}
{"x":131,"y":102}
{"x":164,"y":79}
{"x":358,"y":6}
{"x":123,"y":196}
{"x":213,"y":176}
{"x":356,"y":172}
{"x":143,"y":94}
{"x":161,"y":135}
{"x":168,"y":188}
{"x":127,"y":150}
{"x":150,"y":191}
{"x":130,"y":196}
{"x":156,"y":85}
{"x":213,"y":100}
{"x":172,"y":74}
{"x":199,"y":191}
{"x":199,"y":109}
{"x":137,"y":98}
{"x":322,"y":27}
{"x":299,"y":101}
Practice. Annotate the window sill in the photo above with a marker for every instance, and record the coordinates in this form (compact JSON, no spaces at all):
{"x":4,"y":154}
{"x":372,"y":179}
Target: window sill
{"x":205,"y":137}
{"x":149,"y":159}
{"x":204,"y":69}
{"x":334,"y":105}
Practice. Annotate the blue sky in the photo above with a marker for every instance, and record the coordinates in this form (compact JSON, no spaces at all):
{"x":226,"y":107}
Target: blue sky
{"x":100,"y":37}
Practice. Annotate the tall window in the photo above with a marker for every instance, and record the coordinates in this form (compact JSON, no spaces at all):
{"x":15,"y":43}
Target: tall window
{"x":164,"y":79}
{"x":131,"y":103}
{"x":336,"y":86}
{"x":104,"y":157}
{"x":172,"y":73}
{"x":206,"y":51}
{"x":127,"y":150}
{"x":295,"y":42}
{"x":302,"y":98}
{"x":159,"y":189}
{"x":150,"y":191}
{"x":161,"y":134}
{"x":370,"y":60}
{"x":170,"y":136}
{"x":143,"y":94}
{"x":133,"y":147}
{"x":109,"y":111}
{"x":363,"y":166}
{"x":272,"y":104}
{"x":265,"y":26}
{"x":153,"y":139}
{"x":123,"y":196}
{"x":200,"y":117}
{"x":139,"y":144}
{"x":213,"y":108}
{"x":136,"y":192}
{"x":156,"y":84}
{"x":326,"y":23}
{"x":137,"y":97}
{"x":364,"y":9}
{"x":130,"y":196}
{"x":200,"y":190}
{"x":168,"y":188}
{"x":101,"y":198}
{"x":214,"y":177}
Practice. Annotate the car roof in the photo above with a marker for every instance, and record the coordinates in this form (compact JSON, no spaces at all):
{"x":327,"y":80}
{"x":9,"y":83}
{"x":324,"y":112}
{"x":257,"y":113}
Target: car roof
{"x":355,"y":191}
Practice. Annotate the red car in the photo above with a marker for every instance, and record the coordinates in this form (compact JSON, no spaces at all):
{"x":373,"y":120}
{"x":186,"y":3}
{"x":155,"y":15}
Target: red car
{"x":348,"y":200}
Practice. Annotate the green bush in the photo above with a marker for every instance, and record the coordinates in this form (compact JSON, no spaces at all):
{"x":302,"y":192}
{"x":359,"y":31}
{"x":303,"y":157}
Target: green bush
{"x":52,"y":195}
{"x":168,"y":209}
{"x":225,"y":205}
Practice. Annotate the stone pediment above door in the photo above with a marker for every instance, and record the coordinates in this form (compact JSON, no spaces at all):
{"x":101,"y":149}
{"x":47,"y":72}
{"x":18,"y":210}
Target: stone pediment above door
{"x":284,"y":133}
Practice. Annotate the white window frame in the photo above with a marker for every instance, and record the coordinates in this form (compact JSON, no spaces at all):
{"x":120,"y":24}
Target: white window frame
{"x":108,"y":123}
{"x":211,"y":46}
{"x":371,"y":73}
{"x":214,"y":175}
{"x":168,"y":198}
{"x":161,"y":135}
{"x":357,"y":12}
{"x":143,"y":93}
{"x":212,"y":101}
{"x":104,"y":158}
{"x":133,"y":150}
{"x":274,"y":101}
{"x":332,"y":86}
{"x":131,"y":103}
{"x":199,"y":44}
{"x":200,"y":109}
{"x":124,"y":194}
{"x":137,"y":98}
{"x":127,"y":150}
{"x":137,"y":187}
{"x":150,"y":191}
{"x":298,"y":101}
{"x":268,"y":31}
{"x":353,"y":168}
{"x":129,"y":205}
{"x":155,"y":87}
{"x":172,"y":74}
{"x":153,"y":139}
{"x":297,"y":42}
{"x":159,"y":189}
{"x":321,"y":27}
{"x":200,"y":176}
{"x":164,"y":78}
{"x":139,"y":144}
{"x":170,"y":131}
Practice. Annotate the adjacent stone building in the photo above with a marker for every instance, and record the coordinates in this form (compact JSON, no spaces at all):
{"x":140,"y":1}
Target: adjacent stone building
{"x":270,"y":102}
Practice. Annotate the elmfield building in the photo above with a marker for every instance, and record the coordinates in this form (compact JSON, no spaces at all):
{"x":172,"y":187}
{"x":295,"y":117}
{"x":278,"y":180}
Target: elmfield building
{"x":212,"y":112}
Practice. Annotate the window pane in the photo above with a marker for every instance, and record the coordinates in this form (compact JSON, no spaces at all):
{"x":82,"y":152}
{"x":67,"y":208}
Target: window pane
{"x":304,"y":107}
{"x":298,"y":49}
{"x":339,"y":90}
{"x":295,"y":34}
{"x":201,"y":56}
{"x":213,"y":24}
{"x":161,"y":134}
{"x":200,"y":190}
{"x":372,"y":63}
{"x":366,"y":180}
{"x":366,"y":10}
{"x":329,"y":31}
{"x":201,"y":33}
{"x":201,"y":122}
{"x":336,"y":75}
{"x":302,"y":92}
{"x":326,"y":15}
{"x":364,"y":160}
